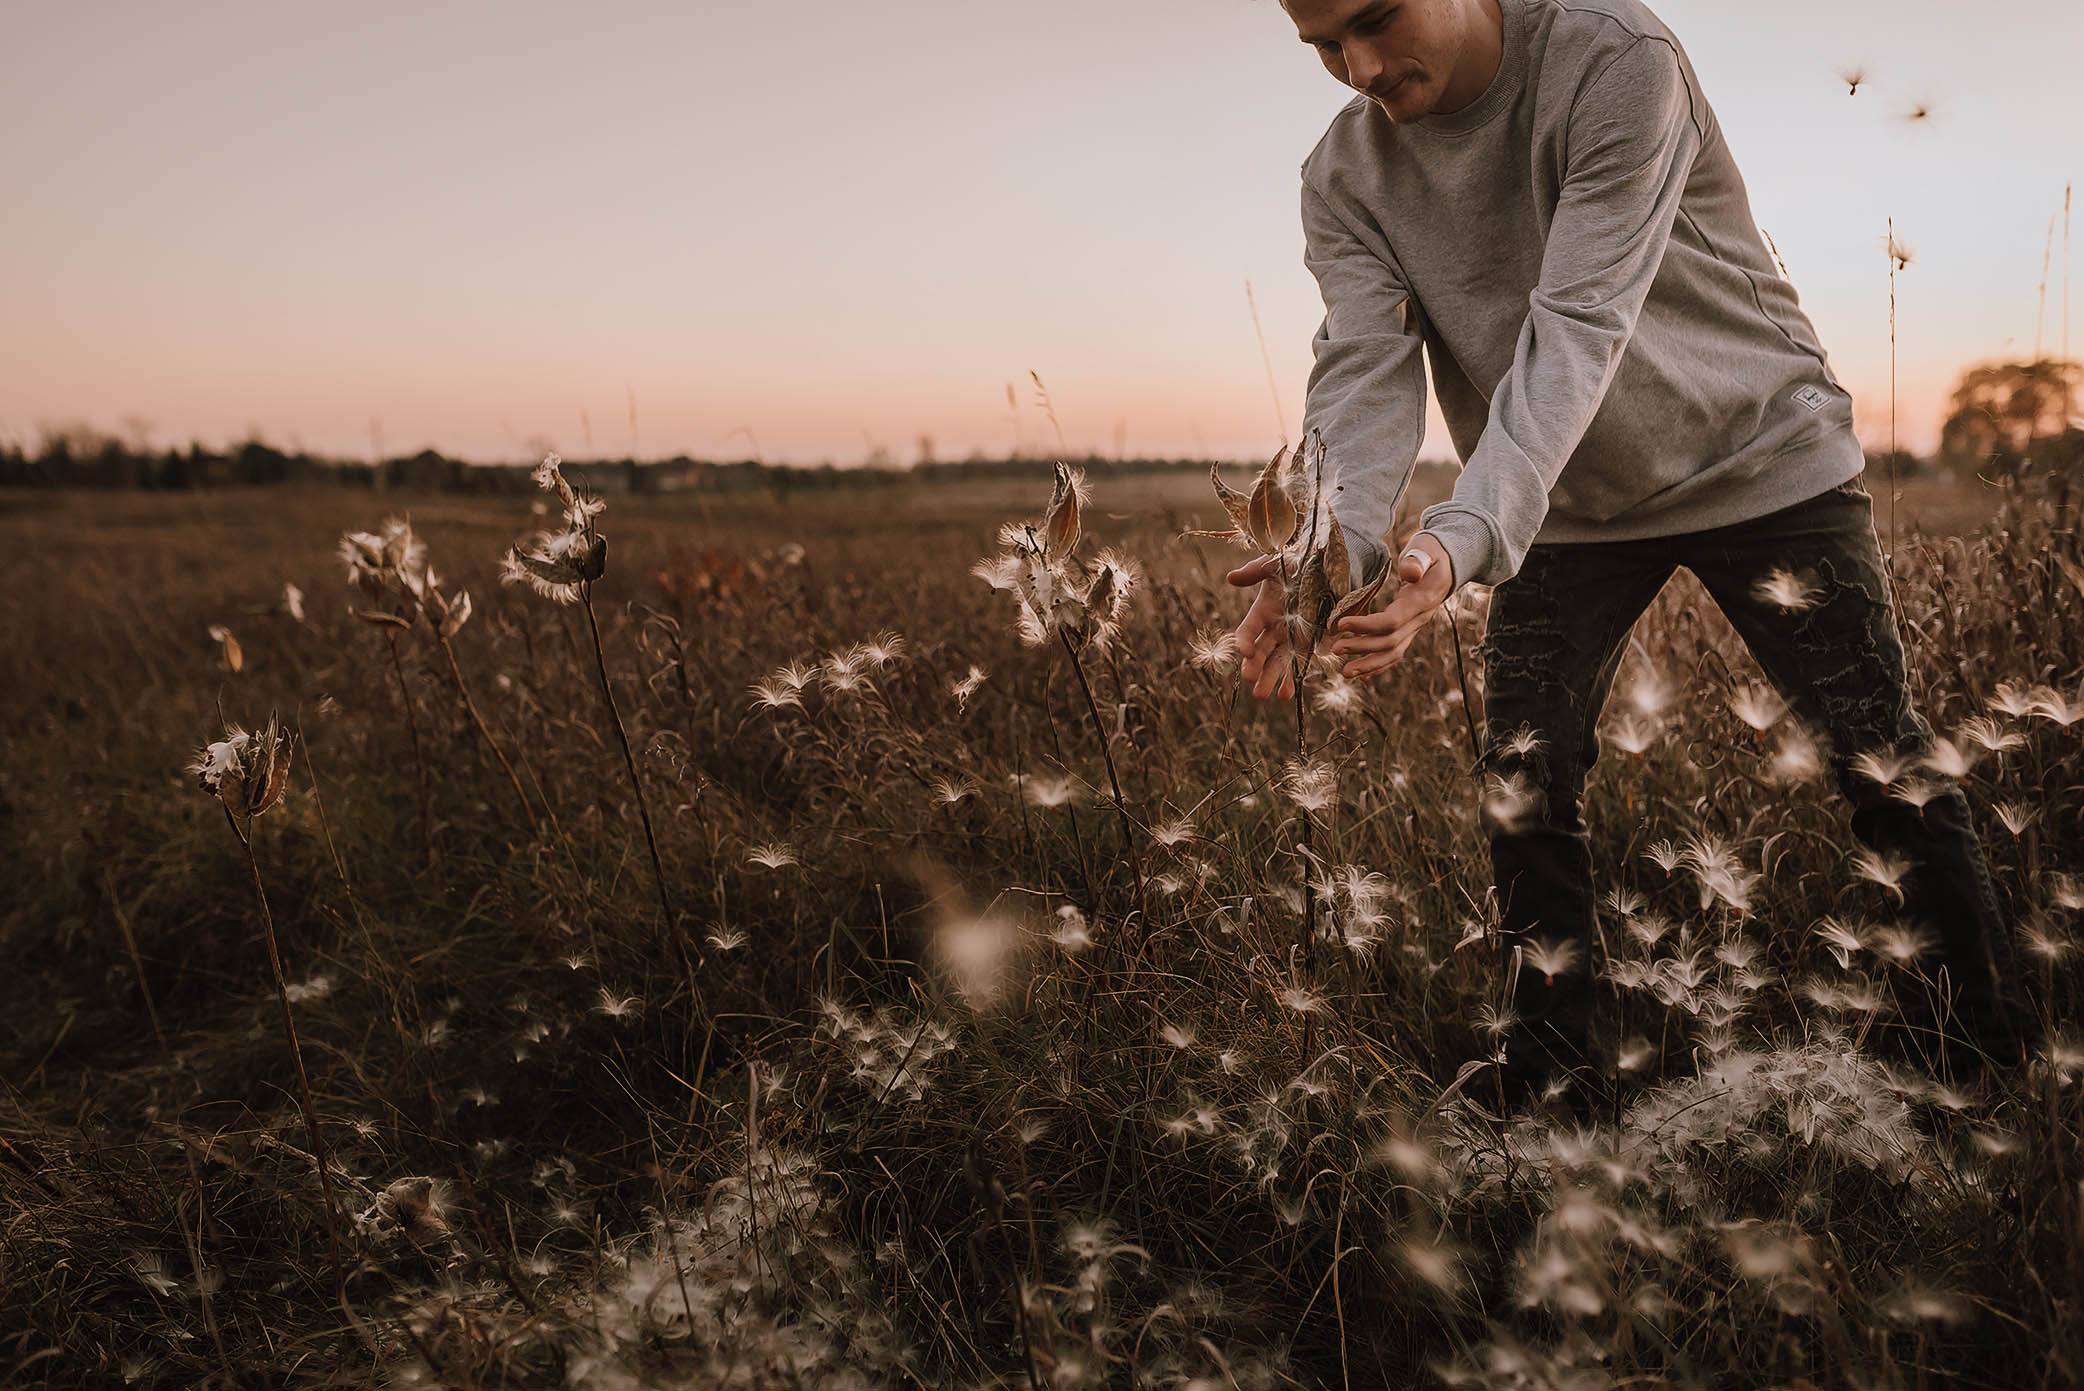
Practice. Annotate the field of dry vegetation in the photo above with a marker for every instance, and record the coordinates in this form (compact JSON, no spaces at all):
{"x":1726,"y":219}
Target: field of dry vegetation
{"x":878,"y":1045}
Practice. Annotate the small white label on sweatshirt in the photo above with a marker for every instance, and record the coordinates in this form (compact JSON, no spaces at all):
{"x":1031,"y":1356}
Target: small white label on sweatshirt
{"x":1812,"y":396}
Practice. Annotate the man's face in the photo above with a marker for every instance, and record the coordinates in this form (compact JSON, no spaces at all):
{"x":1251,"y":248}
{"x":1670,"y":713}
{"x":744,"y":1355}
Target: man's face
{"x":1400,"y":52}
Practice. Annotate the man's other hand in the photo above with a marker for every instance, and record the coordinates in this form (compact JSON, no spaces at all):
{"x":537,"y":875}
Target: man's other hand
{"x":1262,"y":639}
{"x":1375,"y":642}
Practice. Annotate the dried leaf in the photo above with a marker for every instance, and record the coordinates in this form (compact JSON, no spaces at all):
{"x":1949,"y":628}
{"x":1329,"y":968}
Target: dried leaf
{"x":2071,"y":570}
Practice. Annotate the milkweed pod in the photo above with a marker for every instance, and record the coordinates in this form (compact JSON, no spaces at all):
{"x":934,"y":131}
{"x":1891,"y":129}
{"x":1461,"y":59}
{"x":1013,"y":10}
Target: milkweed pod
{"x":549,"y":571}
{"x":271,"y":769}
{"x":1313,"y":600}
{"x":1060,"y":525}
{"x":234,"y":655}
{"x":1102,"y":592}
{"x":458,"y":614}
{"x":231,"y":789}
{"x":589,"y":557}
{"x":1362,"y":599}
{"x":377,"y":618}
{"x":1271,"y":518}
{"x":1337,"y":572}
{"x":1237,"y":504}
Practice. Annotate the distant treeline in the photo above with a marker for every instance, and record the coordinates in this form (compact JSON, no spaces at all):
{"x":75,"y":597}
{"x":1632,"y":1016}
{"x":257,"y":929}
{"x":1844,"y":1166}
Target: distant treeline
{"x":106,"y":462}
{"x":78,"y":460}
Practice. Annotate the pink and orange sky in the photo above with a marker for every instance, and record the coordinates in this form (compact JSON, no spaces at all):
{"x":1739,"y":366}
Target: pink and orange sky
{"x":820,"y":229}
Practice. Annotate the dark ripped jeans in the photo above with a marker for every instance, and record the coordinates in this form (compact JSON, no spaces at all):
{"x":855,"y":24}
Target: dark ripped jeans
{"x":1828,"y":643}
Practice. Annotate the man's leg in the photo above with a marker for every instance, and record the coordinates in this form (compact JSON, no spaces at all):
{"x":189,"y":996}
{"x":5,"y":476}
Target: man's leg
{"x":1806,"y":590}
{"x":1556,"y":633}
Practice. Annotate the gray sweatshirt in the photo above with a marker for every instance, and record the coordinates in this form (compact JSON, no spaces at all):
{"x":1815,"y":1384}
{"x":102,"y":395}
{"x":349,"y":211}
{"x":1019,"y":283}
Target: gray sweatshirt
{"x":1615,"y":353}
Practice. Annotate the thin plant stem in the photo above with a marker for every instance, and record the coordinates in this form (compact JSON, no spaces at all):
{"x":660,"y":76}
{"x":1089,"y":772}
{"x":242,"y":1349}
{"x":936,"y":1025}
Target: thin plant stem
{"x":470,"y":707}
{"x":296,"y":1053}
{"x":1056,"y":744}
{"x":1890,"y":567}
{"x":629,"y":762}
{"x":419,"y":763}
{"x":325,"y":823}
{"x":137,"y":962}
{"x":1299,"y":665}
{"x":1309,"y":820}
{"x":1280,"y":414}
{"x":1121,"y":804}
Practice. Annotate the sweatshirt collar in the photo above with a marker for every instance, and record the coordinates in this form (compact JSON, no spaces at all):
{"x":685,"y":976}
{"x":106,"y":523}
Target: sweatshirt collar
{"x":1505,"y":83}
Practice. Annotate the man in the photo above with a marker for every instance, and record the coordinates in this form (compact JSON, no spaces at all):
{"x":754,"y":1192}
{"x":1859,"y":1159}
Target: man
{"x":1537,"y":193}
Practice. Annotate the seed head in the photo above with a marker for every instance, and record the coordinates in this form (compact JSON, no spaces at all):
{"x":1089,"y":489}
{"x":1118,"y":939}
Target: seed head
{"x":557,"y":565}
{"x":1301,"y":1001}
{"x":2014,"y":699}
{"x":1840,"y":939}
{"x":967,"y":686}
{"x":1551,"y":958}
{"x":1888,"y":870}
{"x":1881,"y":766}
{"x":1989,"y":735}
{"x":1633,"y":733}
{"x":1758,"y":706}
{"x":1948,"y":759}
{"x":248,"y":773}
{"x":1212,"y":653}
{"x":1797,"y":759}
{"x":2016,"y":816}
{"x":1525,"y":742}
{"x":772,"y":855}
{"x":1786,"y":590}
{"x":1651,"y":692}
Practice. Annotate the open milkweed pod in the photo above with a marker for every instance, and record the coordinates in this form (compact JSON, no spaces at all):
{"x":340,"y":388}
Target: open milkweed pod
{"x":456,"y":613}
{"x":271,"y":768}
{"x":1271,"y":516}
{"x":1060,"y":523}
{"x":247,"y":772}
{"x":1101,"y":596}
{"x":1266,"y":519}
{"x":1324,"y":591}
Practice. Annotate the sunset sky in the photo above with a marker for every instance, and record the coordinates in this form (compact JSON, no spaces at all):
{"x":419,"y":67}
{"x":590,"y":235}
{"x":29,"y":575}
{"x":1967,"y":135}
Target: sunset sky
{"x":816,"y":229}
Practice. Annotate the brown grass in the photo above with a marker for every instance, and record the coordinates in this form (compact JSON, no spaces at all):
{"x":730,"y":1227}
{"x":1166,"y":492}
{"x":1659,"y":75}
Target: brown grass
{"x":849,"y":1176}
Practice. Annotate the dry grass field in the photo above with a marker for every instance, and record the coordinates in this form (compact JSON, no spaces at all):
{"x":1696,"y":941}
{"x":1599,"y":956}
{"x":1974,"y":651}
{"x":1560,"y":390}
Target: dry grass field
{"x":877,"y":1044}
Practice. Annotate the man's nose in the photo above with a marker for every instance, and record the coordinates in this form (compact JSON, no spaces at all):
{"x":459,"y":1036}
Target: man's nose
{"x":1362,"y":66}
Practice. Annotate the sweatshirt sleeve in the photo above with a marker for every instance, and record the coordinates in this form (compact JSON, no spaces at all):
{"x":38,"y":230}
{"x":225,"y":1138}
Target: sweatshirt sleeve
{"x":1630,"y":146}
{"x":1367,"y":394}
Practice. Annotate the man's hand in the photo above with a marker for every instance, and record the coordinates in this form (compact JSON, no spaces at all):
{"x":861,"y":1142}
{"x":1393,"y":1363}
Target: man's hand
{"x":1379,"y":639}
{"x":1262,"y":639}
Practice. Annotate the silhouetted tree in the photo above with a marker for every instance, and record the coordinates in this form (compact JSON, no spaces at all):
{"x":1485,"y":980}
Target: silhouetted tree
{"x":2004,"y":413}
